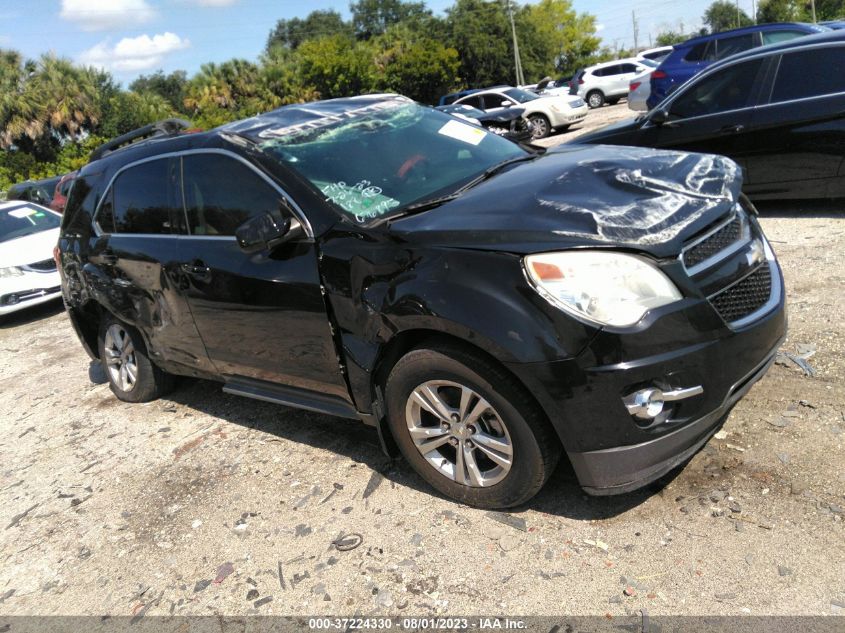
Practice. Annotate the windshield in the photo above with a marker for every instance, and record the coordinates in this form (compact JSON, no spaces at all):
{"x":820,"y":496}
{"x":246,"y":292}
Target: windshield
{"x":387,"y":155}
{"x":24,"y":220}
{"x":520,"y":95}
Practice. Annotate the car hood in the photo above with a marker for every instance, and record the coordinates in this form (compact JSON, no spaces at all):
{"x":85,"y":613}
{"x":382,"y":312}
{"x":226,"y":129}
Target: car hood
{"x":502,"y":116}
{"x":28,"y":249}
{"x":634,"y":198}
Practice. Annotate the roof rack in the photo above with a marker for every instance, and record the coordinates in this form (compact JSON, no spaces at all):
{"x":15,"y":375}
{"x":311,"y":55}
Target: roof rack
{"x":167,"y":127}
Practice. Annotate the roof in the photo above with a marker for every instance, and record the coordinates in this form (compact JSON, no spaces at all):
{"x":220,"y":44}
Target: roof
{"x":624,"y":60}
{"x":752,"y":29}
{"x":798,"y":42}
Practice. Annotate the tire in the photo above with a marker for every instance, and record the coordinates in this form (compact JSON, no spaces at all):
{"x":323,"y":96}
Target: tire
{"x":131,"y":375}
{"x":595,"y":99}
{"x":481,"y":400}
{"x":540,"y":126}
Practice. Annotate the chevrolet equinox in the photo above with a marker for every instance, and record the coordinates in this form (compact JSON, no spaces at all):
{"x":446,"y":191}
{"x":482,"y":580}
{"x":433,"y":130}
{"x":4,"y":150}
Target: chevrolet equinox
{"x":487,"y":307}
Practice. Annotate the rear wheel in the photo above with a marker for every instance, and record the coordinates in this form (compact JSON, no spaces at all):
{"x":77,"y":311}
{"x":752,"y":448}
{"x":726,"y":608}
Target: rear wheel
{"x":470,"y":433}
{"x":595,"y":99}
{"x":540,"y":126}
{"x":131,"y":375}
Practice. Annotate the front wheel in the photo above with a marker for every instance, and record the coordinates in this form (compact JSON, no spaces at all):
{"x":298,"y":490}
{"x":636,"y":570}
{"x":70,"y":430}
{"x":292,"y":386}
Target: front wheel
{"x":470,"y":433}
{"x":540,"y":126}
{"x":132,"y":376}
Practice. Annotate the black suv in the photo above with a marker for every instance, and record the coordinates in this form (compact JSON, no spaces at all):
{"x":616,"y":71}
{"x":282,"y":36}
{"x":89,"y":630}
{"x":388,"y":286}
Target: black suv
{"x":483,"y":305}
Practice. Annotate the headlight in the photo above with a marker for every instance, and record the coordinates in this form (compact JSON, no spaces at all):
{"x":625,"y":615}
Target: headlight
{"x":12,"y":271}
{"x":602,"y":287}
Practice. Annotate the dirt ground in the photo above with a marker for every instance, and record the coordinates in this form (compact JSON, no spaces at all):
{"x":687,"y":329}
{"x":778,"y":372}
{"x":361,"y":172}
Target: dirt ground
{"x":205,"y":503}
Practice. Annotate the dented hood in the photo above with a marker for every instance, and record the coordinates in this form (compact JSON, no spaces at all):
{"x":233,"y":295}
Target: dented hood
{"x":637,"y":198}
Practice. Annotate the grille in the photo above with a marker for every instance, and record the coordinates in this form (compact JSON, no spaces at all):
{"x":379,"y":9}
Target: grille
{"x":46,"y":265}
{"x":719,"y":241}
{"x":746,"y":296}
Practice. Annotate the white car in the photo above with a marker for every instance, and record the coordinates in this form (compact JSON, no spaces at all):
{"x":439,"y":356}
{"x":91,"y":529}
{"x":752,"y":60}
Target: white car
{"x":607,"y":82}
{"x":545,"y":113}
{"x":28,"y":274}
{"x":656,"y":54}
{"x":639,"y":90}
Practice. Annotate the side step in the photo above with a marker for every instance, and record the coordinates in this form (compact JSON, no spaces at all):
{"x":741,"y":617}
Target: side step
{"x":291,"y":397}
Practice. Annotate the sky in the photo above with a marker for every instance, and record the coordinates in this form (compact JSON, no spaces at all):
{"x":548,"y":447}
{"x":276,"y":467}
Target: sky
{"x":132,"y":37}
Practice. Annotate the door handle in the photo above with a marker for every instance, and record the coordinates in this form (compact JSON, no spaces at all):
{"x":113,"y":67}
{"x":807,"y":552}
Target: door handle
{"x":732,"y":129}
{"x":195,"y":268}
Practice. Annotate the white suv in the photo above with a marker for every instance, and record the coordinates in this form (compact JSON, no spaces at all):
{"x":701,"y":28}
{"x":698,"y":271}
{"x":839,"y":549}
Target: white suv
{"x":607,"y":82}
{"x":544,"y":113}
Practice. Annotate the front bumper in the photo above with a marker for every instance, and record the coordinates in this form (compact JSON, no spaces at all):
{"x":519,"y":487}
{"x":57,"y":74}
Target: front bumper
{"x":571,"y":116}
{"x":29,"y":289}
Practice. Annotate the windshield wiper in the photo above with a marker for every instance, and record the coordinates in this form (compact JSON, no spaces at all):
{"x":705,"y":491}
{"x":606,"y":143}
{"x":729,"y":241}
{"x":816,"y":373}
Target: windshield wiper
{"x":495,"y":169}
{"x":417,"y":207}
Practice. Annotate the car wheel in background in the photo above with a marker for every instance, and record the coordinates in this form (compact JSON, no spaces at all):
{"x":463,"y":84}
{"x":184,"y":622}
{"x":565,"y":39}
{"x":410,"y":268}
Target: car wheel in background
{"x":131,"y":375}
{"x":595,"y":99}
{"x":540,"y":126}
{"x":466,"y":429}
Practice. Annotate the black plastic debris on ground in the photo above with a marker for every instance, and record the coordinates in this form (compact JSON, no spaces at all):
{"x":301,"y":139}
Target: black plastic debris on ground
{"x":509,"y":520}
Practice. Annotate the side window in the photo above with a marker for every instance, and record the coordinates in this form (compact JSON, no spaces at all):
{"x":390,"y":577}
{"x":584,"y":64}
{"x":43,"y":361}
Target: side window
{"x":696,"y":53}
{"x":809,"y":74}
{"x":733,"y":45}
{"x":611,"y":71}
{"x":629,"y":68}
{"x":728,"y":89}
{"x":221,"y":193}
{"x":144,"y":197}
{"x":475,"y":102}
{"x":773,"y":37}
{"x":495,"y":101}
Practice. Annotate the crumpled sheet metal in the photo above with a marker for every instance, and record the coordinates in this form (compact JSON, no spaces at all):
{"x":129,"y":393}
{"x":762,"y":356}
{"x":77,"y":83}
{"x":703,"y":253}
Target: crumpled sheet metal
{"x":641,"y":197}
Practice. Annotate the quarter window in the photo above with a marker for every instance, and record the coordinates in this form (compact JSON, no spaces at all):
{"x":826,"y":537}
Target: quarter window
{"x":222,"y":193}
{"x":143,"y":198}
{"x":811,"y":73}
{"x":773,"y":37}
{"x":733,"y":45}
{"x":729,"y":89}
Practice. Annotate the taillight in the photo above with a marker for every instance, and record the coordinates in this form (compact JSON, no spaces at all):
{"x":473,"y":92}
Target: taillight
{"x":581,"y":81}
{"x":659,"y":74}
{"x":634,"y":86}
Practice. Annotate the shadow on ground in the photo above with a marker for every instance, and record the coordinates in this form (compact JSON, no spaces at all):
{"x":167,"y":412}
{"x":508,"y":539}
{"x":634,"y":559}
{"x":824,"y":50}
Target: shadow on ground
{"x":25,"y":316}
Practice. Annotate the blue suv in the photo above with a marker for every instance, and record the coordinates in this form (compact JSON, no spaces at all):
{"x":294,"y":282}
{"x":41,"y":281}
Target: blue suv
{"x":691,"y":57}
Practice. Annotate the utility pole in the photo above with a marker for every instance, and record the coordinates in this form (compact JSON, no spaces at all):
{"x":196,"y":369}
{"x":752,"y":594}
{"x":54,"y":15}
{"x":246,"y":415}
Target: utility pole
{"x":520,"y":78}
{"x":754,"y":11}
{"x":636,"y":32}
{"x":737,"y":15}
{"x":813,"y":5}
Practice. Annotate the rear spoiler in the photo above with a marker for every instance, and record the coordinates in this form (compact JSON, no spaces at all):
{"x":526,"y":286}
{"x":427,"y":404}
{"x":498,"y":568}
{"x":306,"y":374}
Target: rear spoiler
{"x":167,"y":127}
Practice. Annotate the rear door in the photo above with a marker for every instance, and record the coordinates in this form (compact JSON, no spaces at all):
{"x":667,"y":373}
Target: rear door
{"x":799,"y":135}
{"x":262,"y":315}
{"x":134,"y":259}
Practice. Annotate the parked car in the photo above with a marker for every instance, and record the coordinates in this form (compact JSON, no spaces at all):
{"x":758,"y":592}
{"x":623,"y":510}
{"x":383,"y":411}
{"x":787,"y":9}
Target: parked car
{"x":778,"y":111}
{"x":607,"y":82}
{"x":544,"y":113}
{"x":486,"y":307}
{"x":38,"y":191}
{"x":694,"y":55}
{"x":449,"y":99}
{"x":507,"y":122}
{"x":656,"y":54}
{"x":28,"y":275}
{"x":836,"y":25}
{"x":553,"y":87}
{"x":640,"y":88}
{"x":59,"y":200}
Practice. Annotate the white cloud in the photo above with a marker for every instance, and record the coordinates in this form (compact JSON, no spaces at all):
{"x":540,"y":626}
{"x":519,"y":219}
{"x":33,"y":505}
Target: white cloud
{"x":133,"y":54}
{"x":102,"y":15}
{"x":213,"y":3}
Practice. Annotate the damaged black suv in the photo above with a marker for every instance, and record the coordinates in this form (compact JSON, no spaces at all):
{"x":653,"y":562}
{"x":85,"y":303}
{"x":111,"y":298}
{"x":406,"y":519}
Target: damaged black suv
{"x":486,"y":307}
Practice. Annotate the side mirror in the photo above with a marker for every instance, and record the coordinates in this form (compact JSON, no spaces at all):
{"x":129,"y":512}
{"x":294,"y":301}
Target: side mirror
{"x":505,"y":104}
{"x":265,"y":231}
{"x":660,"y":117}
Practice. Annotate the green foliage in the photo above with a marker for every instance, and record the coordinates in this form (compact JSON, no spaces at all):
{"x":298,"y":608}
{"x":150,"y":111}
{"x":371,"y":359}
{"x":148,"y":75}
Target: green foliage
{"x":480,"y":32}
{"x":337,"y":66}
{"x":374,"y":17}
{"x":291,"y":33}
{"x":565,"y":39}
{"x":127,"y":111}
{"x":170,"y":87}
{"x":799,"y":10}
{"x":670,"y":38}
{"x":724,"y":15}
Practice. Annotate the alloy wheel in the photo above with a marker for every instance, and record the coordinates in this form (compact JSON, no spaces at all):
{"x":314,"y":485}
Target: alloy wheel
{"x":459,"y":433}
{"x":120,"y":357}
{"x":539,"y":127}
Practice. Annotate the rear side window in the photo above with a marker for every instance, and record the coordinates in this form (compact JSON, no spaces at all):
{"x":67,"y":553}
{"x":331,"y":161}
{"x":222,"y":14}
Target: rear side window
{"x":222,"y":193}
{"x":733,"y":45}
{"x":811,"y":73}
{"x":143,"y":198}
{"x":475,"y":102}
{"x":697,"y":53}
{"x":728,"y":89}
{"x":773,"y":37}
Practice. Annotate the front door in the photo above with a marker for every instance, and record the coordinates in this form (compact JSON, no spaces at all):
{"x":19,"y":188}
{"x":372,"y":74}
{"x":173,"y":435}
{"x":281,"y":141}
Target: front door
{"x":262,"y":315}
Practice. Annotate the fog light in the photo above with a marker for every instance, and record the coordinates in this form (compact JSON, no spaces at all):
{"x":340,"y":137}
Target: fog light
{"x":647,"y":404}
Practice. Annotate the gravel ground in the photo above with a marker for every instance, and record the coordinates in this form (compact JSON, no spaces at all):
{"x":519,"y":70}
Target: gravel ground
{"x":205,"y":503}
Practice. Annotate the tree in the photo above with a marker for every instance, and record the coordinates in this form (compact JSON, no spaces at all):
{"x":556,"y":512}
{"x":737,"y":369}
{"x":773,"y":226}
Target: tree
{"x":480,"y":32}
{"x":670,"y":38}
{"x":780,"y":11}
{"x":724,"y":15}
{"x":220,"y":93}
{"x":336,"y":66}
{"x":128,"y":111}
{"x":170,"y":87}
{"x":374,"y":17}
{"x":291,"y":33}
{"x":562,"y":39}
{"x":414,"y":64}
